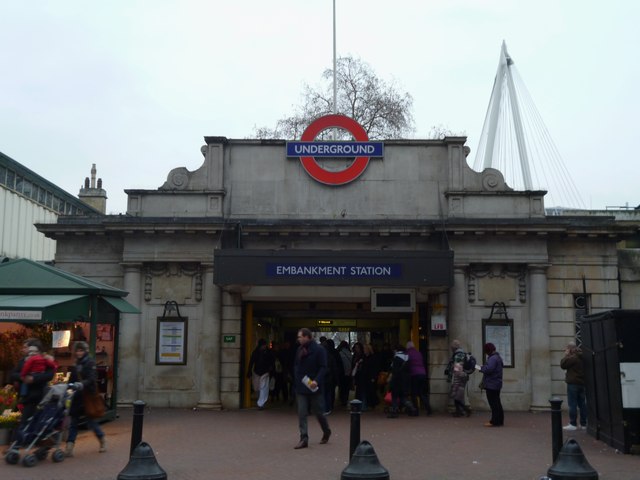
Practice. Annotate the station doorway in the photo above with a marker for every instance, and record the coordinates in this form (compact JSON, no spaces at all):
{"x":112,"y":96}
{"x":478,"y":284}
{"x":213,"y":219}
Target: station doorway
{"x":279,"y":322}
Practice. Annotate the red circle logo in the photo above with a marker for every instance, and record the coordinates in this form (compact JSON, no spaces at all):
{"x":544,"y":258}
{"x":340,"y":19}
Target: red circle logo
{"x":311,"y":165}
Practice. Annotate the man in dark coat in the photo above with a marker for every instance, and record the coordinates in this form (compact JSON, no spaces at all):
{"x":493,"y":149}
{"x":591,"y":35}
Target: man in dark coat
{"x":36,"y":382}
{"x":310,"y":371}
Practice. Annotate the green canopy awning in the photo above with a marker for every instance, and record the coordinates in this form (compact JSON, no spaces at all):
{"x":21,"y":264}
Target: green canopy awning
{"x":43,"y":308}
{"x":121,"y":305}
{"x":32,"y":292}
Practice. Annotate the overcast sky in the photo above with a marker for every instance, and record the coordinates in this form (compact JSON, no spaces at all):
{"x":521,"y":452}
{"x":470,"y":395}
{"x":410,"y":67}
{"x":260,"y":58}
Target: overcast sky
{"x":134,"y":86}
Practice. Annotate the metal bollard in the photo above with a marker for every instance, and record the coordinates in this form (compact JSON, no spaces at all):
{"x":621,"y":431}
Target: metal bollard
{"x":556,"y":427}
{"x":142,"y":465}
{"x":356,"y":412}
{"x":364,"y":464}
{"x":572,"y":464}
{"x":136,"y":429}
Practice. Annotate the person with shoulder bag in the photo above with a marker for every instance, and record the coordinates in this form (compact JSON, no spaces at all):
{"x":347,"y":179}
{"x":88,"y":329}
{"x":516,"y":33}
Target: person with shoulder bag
{"x":492,"y":380}
{"x":83,"y":381}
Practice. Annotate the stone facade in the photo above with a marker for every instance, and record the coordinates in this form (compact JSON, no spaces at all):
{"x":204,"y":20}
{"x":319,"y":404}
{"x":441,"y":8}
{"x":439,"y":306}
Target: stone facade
{"x":421,"y":196}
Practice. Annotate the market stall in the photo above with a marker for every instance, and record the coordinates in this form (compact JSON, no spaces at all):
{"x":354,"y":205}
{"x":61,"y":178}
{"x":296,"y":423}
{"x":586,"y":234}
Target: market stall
{"x":59,"y":308}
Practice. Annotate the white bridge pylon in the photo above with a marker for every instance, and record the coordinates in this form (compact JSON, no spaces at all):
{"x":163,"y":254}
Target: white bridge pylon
{"x":515,"y":141}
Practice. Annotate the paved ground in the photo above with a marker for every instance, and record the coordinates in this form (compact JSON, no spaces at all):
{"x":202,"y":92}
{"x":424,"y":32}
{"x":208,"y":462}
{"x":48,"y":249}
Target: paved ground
{"x":251,"y":444}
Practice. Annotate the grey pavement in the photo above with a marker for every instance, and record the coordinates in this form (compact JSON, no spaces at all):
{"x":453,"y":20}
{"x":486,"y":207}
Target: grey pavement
{"x":252,"y":444}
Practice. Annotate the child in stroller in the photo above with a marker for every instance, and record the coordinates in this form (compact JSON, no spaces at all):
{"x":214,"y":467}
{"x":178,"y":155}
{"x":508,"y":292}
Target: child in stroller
{"x":44,"y":430}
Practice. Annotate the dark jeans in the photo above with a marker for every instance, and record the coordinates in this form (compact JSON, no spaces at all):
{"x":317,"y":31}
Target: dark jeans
{"x":329,"y":396}
{"x":91,"y":424}
{"x":577,"y":400}
{"x":419,"y":390}
{"x":497,"y":413}
{"x":28,"y":411}
{"x":344,"y":389}
{"x":316,"y":403}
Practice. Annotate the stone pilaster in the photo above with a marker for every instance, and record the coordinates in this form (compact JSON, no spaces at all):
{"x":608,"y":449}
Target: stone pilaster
{"x":209,"y":343}
{"x":130,"y":351}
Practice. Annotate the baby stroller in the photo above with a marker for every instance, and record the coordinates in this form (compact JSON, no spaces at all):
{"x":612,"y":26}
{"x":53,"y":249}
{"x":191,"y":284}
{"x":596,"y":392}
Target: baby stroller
{"x":44,"y":430}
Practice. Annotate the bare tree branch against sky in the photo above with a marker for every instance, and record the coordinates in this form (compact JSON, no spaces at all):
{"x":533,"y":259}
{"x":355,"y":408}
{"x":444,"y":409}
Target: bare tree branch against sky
{"x":133,"y":85}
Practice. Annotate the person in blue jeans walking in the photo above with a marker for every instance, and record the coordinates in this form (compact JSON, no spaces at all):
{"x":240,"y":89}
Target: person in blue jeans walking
{"x":574,"y":378}
{"x":82,"y":378}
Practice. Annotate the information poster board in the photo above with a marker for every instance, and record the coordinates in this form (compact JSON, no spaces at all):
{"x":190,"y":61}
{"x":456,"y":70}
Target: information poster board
{"x":501,"y":335}
{"x":171,"y":341}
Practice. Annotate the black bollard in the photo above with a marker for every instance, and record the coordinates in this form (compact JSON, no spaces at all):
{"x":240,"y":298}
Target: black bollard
{"x":364,"y":464}
{"x":142,"y":465}
{"x":356,"y":412}
{"x":571,"y":464}
{"x":556,"y":427}
{"x":136,"y":429}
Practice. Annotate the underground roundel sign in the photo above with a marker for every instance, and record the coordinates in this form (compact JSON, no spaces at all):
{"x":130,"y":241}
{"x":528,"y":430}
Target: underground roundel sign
{"x":309,"y":150}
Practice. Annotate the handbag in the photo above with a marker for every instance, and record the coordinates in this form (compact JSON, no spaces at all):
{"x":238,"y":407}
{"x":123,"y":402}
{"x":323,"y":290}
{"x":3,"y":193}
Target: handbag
{"x":481,"y":386}
{"x":93,"y":404}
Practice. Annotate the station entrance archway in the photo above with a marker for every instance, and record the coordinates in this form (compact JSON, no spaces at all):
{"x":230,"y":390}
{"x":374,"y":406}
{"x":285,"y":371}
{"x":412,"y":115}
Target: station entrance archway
{"x":279,"y":322}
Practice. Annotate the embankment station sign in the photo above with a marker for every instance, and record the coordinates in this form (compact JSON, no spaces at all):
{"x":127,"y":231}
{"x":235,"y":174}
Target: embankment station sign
{"x":308,"y":150}
{"x":330,"y":267}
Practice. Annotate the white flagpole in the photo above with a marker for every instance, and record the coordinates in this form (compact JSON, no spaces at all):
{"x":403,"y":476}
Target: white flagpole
{"x":335,"y":87}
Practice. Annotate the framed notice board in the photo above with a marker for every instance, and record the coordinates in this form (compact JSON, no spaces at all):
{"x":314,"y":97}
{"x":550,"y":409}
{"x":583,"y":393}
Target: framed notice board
{"x":171,"y":341}
{"x":500,"y":333}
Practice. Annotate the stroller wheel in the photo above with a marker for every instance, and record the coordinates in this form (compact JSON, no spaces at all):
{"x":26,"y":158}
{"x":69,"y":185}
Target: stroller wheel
{"x":12,"y":457}
{"x":42,"y":453}
{"x":57,"y":456}
{"x":29,"y":460}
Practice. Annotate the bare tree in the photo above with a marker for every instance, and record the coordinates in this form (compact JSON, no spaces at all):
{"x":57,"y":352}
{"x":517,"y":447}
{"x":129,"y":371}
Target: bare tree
{"x":438,"y":132}
{"x":382,"y":110}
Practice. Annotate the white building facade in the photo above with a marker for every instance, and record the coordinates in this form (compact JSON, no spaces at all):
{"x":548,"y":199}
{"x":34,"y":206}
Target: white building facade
{"x":25,"y":199}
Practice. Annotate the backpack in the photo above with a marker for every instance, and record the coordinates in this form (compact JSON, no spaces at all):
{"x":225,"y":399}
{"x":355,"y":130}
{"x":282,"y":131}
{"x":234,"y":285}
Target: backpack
{"x":469,"y":363}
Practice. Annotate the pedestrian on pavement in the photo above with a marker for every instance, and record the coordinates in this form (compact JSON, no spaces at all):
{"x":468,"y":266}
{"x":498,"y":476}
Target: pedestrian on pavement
{"x":33,"y":385}
{"x":492,"y":380}
{"x":345,"y":378}
{"x":309,"y":374}
{"x":574,"y":378}
{"x":357,"y":373}
{"x":418,"y":378}
{"x":36,"y":362}
{"x":458,"y":383}
{"x":83,"y":378}
{"x":370,"y":371}
{"x":261,"y":365}
{"x":334,"y":367}
{"x":457,"y":357}
{"x":400,"y":384}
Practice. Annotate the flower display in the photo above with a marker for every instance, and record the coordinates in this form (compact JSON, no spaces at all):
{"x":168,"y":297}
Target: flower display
{"x":9,"y":419}
{"x":8,"y":398}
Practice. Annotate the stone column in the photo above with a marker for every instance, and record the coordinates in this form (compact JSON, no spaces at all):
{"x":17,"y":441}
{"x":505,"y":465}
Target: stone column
{"x":457,"y":322}
{"x":209,"y":342}
{"x":539,"y":341}
{"x":130,"y":355}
